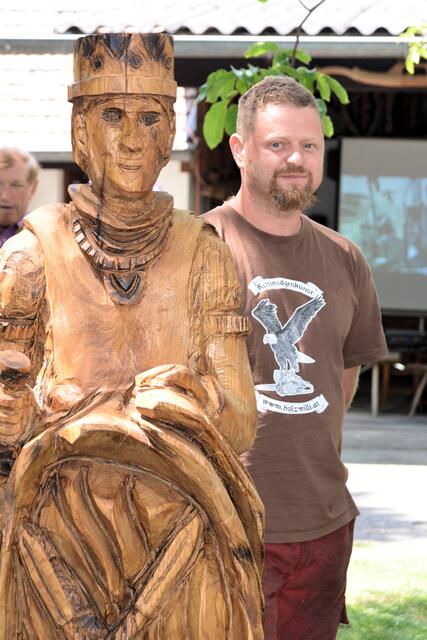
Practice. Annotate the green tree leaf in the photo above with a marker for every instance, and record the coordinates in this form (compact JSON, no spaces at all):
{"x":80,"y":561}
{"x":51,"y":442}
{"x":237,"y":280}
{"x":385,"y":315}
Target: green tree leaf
{"x":251,"y":71}
{"x":281,"y":58}
{"x":410,"y":31}
{"x":299,"y":54}
{"x":416,"y":49}
{"x":222,"y":87}
{"x":201,"y":96}
{"x":287,"y":70}
{"x":409,"y":66}
{"x":215,"y":84}
{"x":328,"y":127}
{"x":321,"y":105}
{"x":306,"y":77}
{"x":302,"y":56}
{"x":214,"y":124}
{"x":239,"y":73}
{"x":415,"y":30}
{"x":414,"y":55}
{"x":227,"y":90}
{"x":338,"y":89}
{"x":323,"y":86}
{"x":242,"y":86}
{"x":231,"y":119}
{"x":260,"y":48}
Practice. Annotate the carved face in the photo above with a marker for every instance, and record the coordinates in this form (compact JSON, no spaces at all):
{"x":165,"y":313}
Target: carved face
{"x":125,"y":142}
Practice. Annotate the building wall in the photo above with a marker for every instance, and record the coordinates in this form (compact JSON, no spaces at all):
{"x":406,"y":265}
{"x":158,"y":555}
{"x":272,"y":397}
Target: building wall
{"x":50,"y":188}
{"x":177,"y":182}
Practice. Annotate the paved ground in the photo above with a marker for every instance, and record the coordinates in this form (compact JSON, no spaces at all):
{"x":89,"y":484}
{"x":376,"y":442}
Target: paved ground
{"x":387,"y":461}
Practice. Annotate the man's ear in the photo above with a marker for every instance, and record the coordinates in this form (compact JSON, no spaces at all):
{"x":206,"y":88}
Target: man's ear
{"x":237,"y":149}
{"x":33,"y":188}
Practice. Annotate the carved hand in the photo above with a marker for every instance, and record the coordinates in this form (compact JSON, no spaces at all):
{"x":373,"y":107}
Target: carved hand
{"x":16,"y":404}
{"x":177,"y":395}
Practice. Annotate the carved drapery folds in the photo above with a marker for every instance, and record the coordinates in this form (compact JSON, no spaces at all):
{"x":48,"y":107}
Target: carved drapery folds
{"x":126,"y":393}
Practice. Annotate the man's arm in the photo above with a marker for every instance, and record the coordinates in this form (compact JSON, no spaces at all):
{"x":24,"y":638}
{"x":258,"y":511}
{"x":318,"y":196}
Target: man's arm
{"x":350,"y":379}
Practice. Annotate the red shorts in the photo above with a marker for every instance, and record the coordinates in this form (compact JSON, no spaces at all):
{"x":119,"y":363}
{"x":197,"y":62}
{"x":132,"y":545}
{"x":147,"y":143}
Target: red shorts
{"x":304,"y":587}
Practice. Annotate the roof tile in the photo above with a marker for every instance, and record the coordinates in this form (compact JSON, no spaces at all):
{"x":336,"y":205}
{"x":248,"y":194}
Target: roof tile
{"x":283,"y":16}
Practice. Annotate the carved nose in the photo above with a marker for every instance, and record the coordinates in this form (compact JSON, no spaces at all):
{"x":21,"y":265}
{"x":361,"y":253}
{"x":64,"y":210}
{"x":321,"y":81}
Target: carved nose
{"x":131,"y":137}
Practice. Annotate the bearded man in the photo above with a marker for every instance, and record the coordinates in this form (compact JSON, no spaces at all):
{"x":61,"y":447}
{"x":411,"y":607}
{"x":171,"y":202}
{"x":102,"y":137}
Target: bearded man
{"x":126,"y":389}
{"x":316,"y":320}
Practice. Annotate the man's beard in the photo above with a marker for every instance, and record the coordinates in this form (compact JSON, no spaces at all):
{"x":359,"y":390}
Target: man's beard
{"x":295,"y":199}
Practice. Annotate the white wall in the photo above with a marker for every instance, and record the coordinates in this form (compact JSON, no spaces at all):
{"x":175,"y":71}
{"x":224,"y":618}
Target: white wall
{"x":176,"y":182}
{"x":50,"y":188}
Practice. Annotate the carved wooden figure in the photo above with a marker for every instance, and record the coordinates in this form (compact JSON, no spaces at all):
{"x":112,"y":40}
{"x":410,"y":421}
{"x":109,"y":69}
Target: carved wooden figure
{"x":126,"y":393}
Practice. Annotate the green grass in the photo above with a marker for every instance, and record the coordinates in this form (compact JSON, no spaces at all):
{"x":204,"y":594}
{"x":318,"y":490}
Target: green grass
{"x":387,"y":592}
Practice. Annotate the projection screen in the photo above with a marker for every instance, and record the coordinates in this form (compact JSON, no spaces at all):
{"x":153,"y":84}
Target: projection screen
{"x":383,"y":208}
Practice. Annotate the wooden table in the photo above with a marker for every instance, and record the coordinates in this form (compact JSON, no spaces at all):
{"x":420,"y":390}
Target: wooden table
{"x":378,"y":395}
{"x":416,"y":369}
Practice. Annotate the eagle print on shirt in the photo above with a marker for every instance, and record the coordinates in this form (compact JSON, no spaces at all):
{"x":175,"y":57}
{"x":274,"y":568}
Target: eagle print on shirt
{"x":283,"y":340}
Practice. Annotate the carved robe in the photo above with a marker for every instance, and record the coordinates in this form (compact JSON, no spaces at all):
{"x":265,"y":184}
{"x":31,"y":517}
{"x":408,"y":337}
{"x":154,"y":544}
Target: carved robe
{"x":128,"y":513}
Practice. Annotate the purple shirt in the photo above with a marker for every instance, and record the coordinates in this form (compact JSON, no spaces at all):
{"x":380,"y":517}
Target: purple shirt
{"x":10,"y":231}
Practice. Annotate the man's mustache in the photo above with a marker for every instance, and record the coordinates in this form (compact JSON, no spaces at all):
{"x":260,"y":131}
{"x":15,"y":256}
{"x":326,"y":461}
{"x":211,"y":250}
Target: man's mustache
{"x":290,"y":169}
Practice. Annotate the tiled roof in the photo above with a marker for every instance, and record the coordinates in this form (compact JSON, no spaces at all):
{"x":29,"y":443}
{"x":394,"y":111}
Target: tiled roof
{"x":203,"y":16}
{"x":34,"y":112}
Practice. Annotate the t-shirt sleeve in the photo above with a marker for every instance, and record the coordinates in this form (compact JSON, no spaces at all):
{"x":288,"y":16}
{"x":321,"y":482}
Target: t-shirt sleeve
{"x":365,"y":342}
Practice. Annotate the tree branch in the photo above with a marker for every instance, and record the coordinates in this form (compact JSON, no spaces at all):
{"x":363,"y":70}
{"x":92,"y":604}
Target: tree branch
{"x":299,"y":27}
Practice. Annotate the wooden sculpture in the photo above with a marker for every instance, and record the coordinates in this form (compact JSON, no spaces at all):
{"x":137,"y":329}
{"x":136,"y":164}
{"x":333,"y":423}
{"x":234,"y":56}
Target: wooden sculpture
{"x":126,"y":394}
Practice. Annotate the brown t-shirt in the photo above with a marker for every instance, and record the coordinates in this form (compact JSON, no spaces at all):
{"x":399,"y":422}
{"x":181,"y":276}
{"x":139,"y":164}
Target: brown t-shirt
{"x":314,"y":312}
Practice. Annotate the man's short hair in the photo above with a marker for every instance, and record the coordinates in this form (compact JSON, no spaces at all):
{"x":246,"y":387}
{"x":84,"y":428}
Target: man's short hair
{"x":9,"y":156}
{"x":272,"y":90}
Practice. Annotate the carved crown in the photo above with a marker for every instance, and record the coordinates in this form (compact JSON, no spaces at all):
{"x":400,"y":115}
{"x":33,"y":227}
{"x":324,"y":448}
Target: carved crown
{"x":123,"y":63}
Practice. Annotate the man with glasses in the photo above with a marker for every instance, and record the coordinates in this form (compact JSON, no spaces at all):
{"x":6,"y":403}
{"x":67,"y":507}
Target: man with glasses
{"x":18,"y":183}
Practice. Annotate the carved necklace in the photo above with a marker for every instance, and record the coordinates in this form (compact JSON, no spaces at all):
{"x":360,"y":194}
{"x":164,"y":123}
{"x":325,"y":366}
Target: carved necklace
{"x":123,"y":274}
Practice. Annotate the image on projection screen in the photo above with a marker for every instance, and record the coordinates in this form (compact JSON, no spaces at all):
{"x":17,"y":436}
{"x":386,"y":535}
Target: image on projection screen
{"x":383,"y":209}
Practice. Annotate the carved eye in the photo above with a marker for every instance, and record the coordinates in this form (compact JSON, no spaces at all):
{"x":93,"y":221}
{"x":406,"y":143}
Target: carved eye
{"x":98,"y":63}
{"x":149,"y":118}
{"x":168,"y":62}
{"x":111,"y":115}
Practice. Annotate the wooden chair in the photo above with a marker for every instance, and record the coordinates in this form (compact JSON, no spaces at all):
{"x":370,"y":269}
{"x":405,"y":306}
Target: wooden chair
{"x":418,"y":369}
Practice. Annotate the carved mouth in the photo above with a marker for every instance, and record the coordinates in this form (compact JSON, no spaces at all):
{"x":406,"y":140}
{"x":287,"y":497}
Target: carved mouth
{"x":130,"y":167}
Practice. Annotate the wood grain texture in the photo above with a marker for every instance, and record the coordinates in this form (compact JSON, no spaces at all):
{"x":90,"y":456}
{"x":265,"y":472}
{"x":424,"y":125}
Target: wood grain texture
{"x":126,"y":395}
